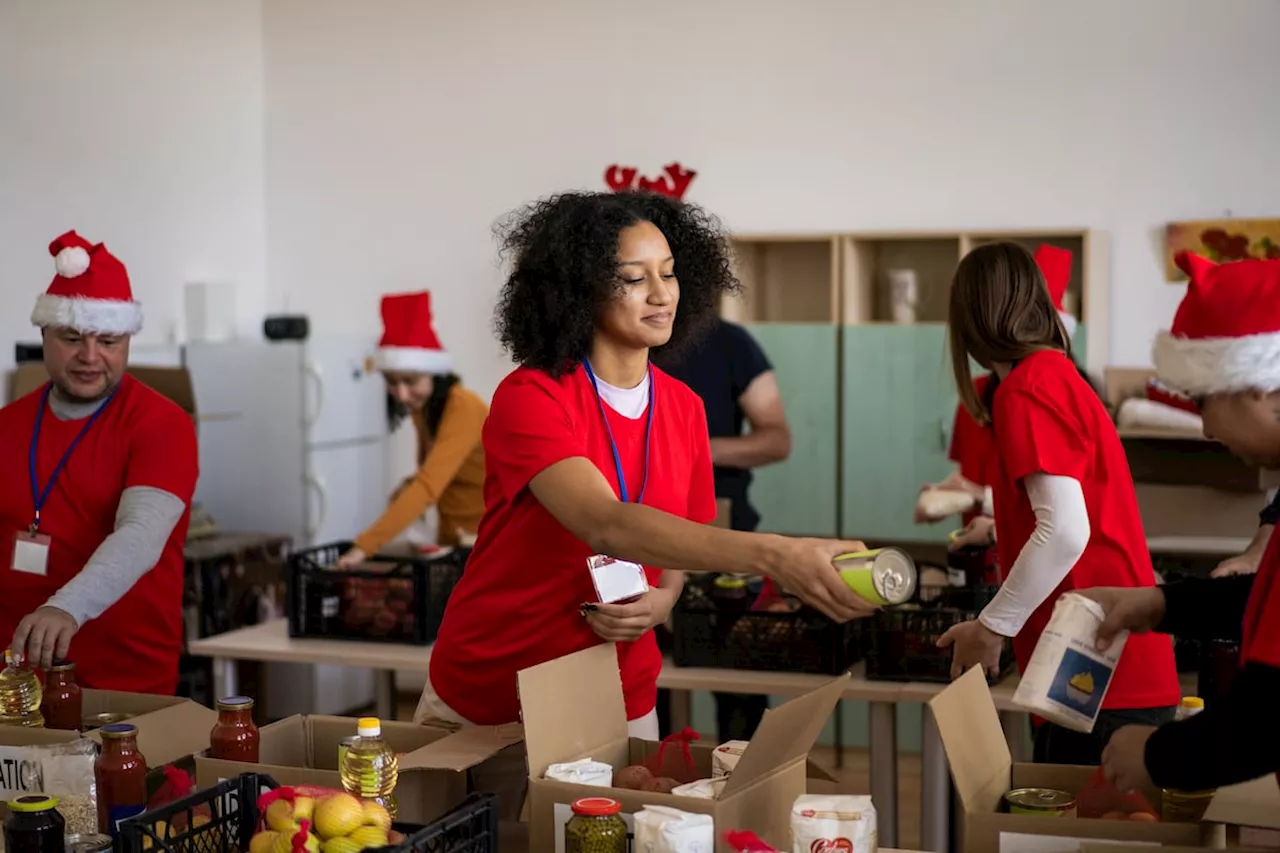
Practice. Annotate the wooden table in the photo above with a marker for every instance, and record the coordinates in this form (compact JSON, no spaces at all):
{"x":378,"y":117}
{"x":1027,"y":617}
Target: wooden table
{"x":270,"y":642}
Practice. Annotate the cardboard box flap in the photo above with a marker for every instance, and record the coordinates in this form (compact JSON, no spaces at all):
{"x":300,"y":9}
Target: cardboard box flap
{"x":1255,"y":804}
{"x":172,"y":734}
{"x":463,"y":749}
{"x":974,"y":740}
{"x":785,"y":735}
{"x":571,"y":706}
{"x":174,"y":383}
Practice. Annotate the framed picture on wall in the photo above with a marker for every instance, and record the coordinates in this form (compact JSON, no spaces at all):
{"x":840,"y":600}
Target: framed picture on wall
{"x":1221,"y":240}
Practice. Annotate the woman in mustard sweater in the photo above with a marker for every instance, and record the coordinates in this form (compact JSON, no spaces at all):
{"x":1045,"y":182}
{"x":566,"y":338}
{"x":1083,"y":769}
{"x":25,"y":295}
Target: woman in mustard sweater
{"x":447,"y":419}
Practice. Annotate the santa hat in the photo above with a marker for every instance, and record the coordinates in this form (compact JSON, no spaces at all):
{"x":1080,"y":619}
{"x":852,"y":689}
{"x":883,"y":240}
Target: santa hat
{"x":1055,"y":266}
{"x":90,"y":292}
{"x":1226,"y":333}
{"x":409,"y":343}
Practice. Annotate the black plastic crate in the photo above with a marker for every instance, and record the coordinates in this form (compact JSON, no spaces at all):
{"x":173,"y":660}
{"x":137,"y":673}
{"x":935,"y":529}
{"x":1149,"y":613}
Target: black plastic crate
{"x":802,"y":640}
{"x":231,"y":809}
{"x":902,"y":642}
{"x":402,"y":600}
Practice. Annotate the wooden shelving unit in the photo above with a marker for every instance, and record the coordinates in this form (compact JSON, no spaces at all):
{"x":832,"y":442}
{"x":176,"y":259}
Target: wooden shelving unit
{"x":870,"y":401}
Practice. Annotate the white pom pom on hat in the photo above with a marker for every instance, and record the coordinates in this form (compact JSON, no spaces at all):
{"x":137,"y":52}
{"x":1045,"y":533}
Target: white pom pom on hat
{"x":71,"y":262}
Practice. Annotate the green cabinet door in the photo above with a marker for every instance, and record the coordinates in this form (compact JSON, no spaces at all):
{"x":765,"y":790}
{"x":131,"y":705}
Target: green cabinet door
{"x":798,"y":496}
{"x":899,"y":401}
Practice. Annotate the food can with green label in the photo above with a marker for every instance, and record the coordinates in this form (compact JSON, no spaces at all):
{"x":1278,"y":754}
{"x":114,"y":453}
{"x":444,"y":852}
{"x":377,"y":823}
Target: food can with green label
{"x":1040,"y":802}
{"x":886,"y":576}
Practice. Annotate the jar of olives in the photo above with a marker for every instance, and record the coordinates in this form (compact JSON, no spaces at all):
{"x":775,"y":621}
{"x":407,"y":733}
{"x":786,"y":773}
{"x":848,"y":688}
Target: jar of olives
{"x":596,"y":827}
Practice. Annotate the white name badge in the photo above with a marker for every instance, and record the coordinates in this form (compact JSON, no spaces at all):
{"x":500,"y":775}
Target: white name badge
{"x":31,"y":553}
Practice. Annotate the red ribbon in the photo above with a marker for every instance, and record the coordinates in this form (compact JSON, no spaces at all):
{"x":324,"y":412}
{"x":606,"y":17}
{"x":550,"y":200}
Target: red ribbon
{"x":684,"y":737}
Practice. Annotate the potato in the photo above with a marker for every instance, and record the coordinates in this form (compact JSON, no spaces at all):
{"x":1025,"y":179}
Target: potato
{"x":666,"y":784}
{"x":1115,"y":816}
{"x":1146,"y":817}
{"x":631,"y":777}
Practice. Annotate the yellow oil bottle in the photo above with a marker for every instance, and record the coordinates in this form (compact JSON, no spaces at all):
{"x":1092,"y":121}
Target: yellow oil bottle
{"x":20,"y":693}
{"x":370,"y":768}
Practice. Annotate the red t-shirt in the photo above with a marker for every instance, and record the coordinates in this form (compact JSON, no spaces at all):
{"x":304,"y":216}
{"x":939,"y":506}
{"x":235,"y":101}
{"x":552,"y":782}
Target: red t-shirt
{"x":517,"y":604}
{"x":972,"y":446}
{"x":1261,"y":638}
{"x":1047,"y":419}
{"x":140,"y":439}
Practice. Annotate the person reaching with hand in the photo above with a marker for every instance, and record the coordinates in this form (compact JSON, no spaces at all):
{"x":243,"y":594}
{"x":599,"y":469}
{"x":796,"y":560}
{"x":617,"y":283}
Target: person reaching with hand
{"x":1223,"y":351}
{"x":1067,"y":514}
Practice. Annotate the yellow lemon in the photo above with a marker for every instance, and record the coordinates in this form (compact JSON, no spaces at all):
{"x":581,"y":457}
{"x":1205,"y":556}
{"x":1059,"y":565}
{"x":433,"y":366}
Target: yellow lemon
{"x":303,"y":808}
{"x":369,"y":836}
{"x":280,"y":817}
{"x":263,"y":842}
{"x":336,"y":816}
{"x":375,"y":814}
{"x":340,"y":845}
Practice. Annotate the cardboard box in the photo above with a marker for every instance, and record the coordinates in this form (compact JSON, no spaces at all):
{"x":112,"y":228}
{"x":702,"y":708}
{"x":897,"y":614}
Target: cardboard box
{"x":170,"y":731}
{"x":303,"y":750}
{"x":984,"y":772}
{"x":173,"y":383}
{"x":573,"y":708}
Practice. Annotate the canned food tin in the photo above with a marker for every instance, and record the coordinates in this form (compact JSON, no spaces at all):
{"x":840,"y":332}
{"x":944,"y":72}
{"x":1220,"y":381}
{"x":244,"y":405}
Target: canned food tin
{"x":97,"y":721}
{"x":343,"y":746}
{"x":886,"y":576}
{"x":78,"y":843}
{"x":1040,"y":802}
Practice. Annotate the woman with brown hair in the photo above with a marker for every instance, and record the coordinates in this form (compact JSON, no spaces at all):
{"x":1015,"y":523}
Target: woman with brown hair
{"x":1067,"y":515}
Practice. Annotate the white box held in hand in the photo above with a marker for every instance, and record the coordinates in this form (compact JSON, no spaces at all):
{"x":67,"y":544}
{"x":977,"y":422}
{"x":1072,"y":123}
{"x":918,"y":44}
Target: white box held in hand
{"x":616,"y":580}
{"x":1067,"y":677}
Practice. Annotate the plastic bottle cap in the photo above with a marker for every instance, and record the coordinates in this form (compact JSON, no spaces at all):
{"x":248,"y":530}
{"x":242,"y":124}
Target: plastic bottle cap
{"x":33,"y":803}
{"x":1192,"y":702}
{"x":369,"y":727}
{"x":596,"y":806}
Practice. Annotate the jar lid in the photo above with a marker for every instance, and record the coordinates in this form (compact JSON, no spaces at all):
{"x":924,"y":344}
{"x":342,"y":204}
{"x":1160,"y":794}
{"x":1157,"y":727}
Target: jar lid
{"x":33,"y":803}
{"x":596,"y":806}
{"x":235,"y":703}
{"x":729,"y":582}
{"x":1192,"y":702}
{"x":119,"y":730}
{"x":61,"y":665}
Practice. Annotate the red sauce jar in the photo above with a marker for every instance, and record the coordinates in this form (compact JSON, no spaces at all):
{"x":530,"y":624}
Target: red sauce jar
{"x":120,"y":772}
{"x":235,"y":737}
{"x":63,"y":704}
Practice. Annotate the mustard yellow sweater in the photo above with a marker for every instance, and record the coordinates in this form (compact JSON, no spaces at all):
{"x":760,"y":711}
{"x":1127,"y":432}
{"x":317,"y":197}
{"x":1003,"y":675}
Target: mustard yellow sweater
{"x":451,"y":476}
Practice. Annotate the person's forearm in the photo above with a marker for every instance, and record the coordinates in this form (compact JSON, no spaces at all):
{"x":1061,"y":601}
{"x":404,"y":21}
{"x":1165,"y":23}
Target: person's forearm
{"x":1232,"y":741}
{"x":642,"y":534}
{"x":412,"y":501}
{"x":753,"y":450}
{"x":1060,"y":537}
{"x":144,"y":522}
{"x":1260,"y":540}
{"x":1208,"y":609}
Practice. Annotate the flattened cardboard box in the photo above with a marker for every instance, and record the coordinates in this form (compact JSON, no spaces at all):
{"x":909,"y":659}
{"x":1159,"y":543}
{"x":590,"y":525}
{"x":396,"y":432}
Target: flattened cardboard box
{"x":984,"y":772}
{"x":173,"y":383}
{"x":573,"y":708}
{"x":303,"y":750}
{"x":170,"y":731}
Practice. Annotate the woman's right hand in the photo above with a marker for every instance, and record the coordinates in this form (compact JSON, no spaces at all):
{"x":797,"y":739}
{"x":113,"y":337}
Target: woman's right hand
{"x":352,"y":558}
{"x":806,"y":569}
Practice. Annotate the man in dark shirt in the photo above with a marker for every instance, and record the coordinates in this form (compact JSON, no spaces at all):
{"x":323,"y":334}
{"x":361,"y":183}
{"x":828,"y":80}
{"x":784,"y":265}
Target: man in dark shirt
{"x":731,"y":374}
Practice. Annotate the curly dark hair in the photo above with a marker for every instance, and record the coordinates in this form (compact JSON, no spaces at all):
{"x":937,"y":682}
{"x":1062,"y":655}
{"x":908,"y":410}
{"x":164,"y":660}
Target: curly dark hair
{"x":565,"y":267}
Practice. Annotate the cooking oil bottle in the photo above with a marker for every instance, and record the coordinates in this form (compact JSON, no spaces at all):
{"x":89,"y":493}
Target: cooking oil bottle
{"x":1185,"y":806}
{"x":20,"y":693}
{"x":370,"y":768}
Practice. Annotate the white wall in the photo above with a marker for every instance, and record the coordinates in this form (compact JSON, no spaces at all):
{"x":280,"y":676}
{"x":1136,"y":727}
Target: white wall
{"x":140,"y":124}
{"x":395,"y":138}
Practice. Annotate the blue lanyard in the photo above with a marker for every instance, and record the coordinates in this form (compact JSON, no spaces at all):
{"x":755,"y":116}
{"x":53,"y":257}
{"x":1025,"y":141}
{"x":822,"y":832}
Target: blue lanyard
{"x":39,"y":497}
{"x":613,"y":445}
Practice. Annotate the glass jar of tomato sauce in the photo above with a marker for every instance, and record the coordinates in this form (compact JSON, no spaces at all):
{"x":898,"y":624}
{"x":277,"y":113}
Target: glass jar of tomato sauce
{"x":62,"y":703}
{"x":235,"y":736}
{"x":120,"y":773}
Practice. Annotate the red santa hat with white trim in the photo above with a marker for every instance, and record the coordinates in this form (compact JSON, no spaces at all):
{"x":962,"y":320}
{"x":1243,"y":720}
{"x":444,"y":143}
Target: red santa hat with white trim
{"x":1225,"y":336}
{"x":1055,"y":266}
{"x":90,"y":293}
{"x":409,"y":342}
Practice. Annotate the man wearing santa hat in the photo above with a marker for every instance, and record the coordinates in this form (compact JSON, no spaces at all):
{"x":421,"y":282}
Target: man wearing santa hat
{"x":1223,"y":352}
{"x":96,"y":477}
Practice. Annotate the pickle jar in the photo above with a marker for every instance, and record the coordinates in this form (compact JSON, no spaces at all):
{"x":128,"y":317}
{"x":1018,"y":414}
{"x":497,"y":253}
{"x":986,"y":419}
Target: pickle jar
{"x":596,"y":827}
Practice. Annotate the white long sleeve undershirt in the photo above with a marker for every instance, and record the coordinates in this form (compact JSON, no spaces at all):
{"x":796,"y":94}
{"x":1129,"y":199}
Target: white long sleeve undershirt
{"x":1059,"y":539}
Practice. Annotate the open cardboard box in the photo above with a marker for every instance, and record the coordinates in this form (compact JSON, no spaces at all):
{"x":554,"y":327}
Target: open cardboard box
{"x":984,"y":772}
{"x":174,"y":383}
{"x":573,"y":708}
{"x":303,"y":750}
{"x":170,"y":731}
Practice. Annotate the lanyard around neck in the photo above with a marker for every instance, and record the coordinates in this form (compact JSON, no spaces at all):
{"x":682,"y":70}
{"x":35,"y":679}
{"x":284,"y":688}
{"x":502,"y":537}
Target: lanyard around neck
{"x":38,"y":495}
{"x":613,"y":445}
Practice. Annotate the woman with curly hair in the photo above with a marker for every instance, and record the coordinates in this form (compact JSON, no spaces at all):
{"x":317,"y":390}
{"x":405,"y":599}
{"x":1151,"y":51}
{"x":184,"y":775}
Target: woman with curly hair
{"x":591,"y":450}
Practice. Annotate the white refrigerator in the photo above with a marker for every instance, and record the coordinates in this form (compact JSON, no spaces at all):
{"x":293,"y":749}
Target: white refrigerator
{"x":293,"y":440}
